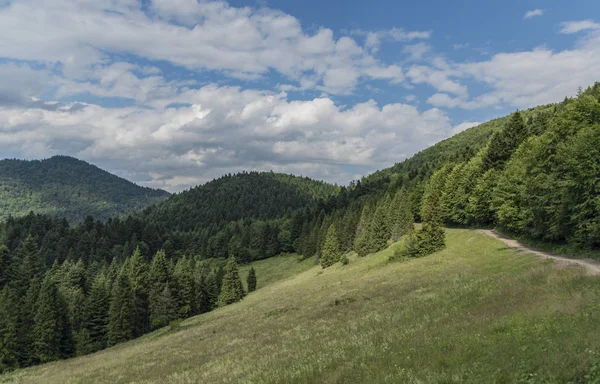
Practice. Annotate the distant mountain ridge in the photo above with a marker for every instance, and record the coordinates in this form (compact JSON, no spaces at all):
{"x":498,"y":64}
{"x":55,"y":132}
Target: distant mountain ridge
{"x":63,"y":186}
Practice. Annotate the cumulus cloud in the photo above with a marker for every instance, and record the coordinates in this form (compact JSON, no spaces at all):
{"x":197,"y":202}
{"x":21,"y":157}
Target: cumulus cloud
{"x":533,"y":13}
{"x":227,"y":129}
{"x":516,"y":79}
{"x":245,"y":43}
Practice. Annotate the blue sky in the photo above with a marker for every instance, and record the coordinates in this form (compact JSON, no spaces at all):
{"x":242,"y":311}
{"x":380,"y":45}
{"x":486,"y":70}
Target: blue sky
{"x":172,"y":93}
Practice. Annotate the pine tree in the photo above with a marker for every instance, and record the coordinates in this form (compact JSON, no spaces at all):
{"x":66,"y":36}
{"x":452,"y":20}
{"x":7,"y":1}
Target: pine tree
{"x":379,"y":231}
{"x":160,"y":279}
{"x":232,"y":289}
{"x":330,"y":253}
{"x":137,"y":272}
{"x":8,"y":330}
{"x":4,"y":265}
{"x":52,"y":334}
{"x":97,"y":313}
{"x":121,"y":312}
{"x":185,"y":287}
{"x":401,"y":218}
{"x":25,"y":323}
{"x":251,"y":280}
{"x":361,"y":240}
{"x":503,"y":143}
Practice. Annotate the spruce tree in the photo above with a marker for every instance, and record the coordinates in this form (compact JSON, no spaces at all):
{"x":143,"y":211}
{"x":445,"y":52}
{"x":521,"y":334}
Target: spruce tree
{"x":25,"y":323}
{"x":160,"y":278}
{"x":232,"y":289}
{"x":52,"y":334}
{"x":185,"y":287}
{"x":8,"y":330}
{"x":137,"y":272}
{"x":379,"y":233}
{"x":4,"y":265}
{"x":504,"y":143}
{"x":251,"y":280}
{"x":330,"y":253}
{"x":97,"y":313}
{"x":121,"y":312}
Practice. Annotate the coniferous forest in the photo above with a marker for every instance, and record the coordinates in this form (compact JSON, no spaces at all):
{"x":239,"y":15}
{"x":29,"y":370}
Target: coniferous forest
{"x":72,"y":289}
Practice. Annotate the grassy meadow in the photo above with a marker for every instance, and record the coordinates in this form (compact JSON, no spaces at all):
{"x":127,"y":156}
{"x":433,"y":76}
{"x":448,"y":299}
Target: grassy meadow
{"x":475,"y":312}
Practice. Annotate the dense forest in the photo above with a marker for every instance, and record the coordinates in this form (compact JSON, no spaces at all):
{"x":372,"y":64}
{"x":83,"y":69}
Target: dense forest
{"x":62,"y":186}
{"x":534,"y":173}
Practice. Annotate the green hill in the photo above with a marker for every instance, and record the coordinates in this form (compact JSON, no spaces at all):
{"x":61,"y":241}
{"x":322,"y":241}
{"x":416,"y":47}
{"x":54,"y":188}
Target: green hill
{"x":256,"y":195}
{"x":63,"y":186}
{"x":475,"y":312}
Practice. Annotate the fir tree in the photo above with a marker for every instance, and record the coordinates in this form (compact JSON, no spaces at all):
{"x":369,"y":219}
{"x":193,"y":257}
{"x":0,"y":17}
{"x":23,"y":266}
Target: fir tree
{"x":331,"y":253}
{"x":4,"y":265}
{"x":251,"y":280}
{"x":8,"y":330}
{"x":232,"y":289}
{"x":137,"y":272}
{"x":160,"y":279}
{"x":52,"y":334}
{"x":121,"y":312}
{"x":185,"y":287}
{"x":379,"y":233}
{"x":97,"y":313}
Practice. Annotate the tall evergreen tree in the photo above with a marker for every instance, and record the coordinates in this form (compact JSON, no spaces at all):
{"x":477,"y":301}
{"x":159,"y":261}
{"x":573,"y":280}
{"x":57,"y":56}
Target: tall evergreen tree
{"x":161,"y":279}
{"x":232,"y":289}
{"x":52,"y":334}
{"x":137,"y":272}
{"x":503,"y":143}
{"x":9,"y":315}
{"x":4,"y":265}
{"x":97,"y":313}
{"x":251,"y":280}
{"x":331,"y":253}
{"x":121,"y":312}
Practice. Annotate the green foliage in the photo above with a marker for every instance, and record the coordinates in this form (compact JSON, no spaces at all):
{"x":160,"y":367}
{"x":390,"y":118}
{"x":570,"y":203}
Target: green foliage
{"x":9,"y":316}
{"x":232,"y":289}
{"x":122,"y":310}
{"x":428,"y":239}
{"x":52,"y":333}
{"x":503,"y":143}
{"x":62,"y":186}
{"x":97,"y":313}
{"x":330,"y":254}
{"x":251,"y":280}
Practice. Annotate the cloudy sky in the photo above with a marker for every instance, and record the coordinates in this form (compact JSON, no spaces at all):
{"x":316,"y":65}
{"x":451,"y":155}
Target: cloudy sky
{"x":172,"y":93}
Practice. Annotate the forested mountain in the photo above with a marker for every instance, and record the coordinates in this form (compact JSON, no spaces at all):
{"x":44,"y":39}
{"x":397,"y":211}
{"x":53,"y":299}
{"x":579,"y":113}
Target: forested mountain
{"x":535,"y":173}
{"x":256,"y":195}
{"x":63,"y":186}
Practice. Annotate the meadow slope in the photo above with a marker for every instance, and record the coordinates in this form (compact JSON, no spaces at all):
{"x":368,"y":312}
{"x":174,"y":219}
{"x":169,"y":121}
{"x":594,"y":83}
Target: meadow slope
{"x":474,"y":312}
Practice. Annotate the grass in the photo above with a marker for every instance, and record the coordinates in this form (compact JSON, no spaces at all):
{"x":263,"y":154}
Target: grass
{"x":475,"y":312}
{"x":277,"y":268}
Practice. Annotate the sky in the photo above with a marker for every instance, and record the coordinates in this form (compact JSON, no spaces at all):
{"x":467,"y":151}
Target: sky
{"x":173,"y":93}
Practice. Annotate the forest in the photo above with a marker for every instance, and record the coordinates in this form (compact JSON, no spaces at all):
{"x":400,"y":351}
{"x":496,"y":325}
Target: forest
{"x":69,"y":290}
{"x":63,"y":186}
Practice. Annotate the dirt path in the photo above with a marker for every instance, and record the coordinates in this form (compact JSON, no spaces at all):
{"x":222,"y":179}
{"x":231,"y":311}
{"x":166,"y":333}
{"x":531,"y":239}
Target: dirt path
{"x":591,"y":266}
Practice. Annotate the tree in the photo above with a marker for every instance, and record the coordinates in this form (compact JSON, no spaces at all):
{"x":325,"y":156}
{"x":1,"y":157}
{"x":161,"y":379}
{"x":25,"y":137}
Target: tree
{"x":401,"y":218}
{"x":121,"y":312}
{"x":251,"y":280}
{"x":232,"y":289}
{"x":185,"y":287}
{"x":504,"y":142}
{"x":52,"y":334}
{"x":161,"y":312}
{"x":4,"y":265}
{"x":8,"y":330}
{"x":137,"y":272}
{"x":97,"y":313}
{"x":330,"y":253}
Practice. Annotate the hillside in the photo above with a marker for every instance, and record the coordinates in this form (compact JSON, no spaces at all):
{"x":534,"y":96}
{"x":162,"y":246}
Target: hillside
{"x":247,"y":195}
{"x":62,"y":186}
{"x":475,"y":312}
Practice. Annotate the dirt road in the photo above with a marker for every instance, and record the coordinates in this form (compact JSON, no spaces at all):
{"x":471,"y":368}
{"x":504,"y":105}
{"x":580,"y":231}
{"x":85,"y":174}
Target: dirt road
{"x":591,"y":266}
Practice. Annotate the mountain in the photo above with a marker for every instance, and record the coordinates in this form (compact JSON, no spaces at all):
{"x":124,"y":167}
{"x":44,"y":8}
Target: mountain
{"x":247,"y":195}
{"x":63,"y":186}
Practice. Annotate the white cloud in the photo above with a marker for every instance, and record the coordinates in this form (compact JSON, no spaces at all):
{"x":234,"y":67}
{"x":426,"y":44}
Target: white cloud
{"x":226,"y":129}
{"x":245,"y":43}
{"x":373,"y":38}
{"x":417,"y":51}
{"x":569,"y":27}
{"x":533,"y":13}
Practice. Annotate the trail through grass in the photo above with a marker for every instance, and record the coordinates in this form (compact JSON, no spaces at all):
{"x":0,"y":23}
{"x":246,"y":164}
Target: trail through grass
{"x":475,"y":312}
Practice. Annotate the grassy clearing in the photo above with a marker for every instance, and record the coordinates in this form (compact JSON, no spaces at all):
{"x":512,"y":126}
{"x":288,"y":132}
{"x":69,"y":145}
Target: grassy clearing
{"x":277,"y":268}
{"x":476,"y":312}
